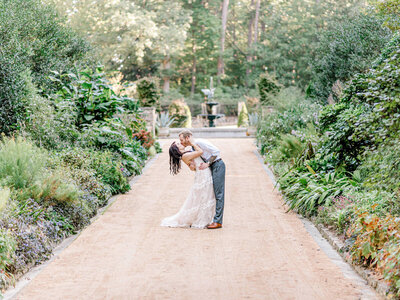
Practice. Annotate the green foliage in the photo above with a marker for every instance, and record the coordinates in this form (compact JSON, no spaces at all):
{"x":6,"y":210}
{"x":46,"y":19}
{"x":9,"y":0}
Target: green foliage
{"x":148,"y":93}
{"x":54,"y":190}
{"x":110,"y":170}
{"x":268,"y":87}
{"x":290,"y":38}
{"x":32,"y":42}
{"x":290,"y":147}
{"x":180,"y":111}
{"x":49,"y":124}
{"x":164,"y":120}
{"x":306,"y":191}
{"x":390,"y":11}
{"x":345,"y":48}
{"x":381,"y":167}
{"x":243,"y":119}
{"x":292,"y":113}
{"x":4,"y":195}
{"x":7,"y":248}
{"x":367,"y":115}
{"x":91,"y":94}
{"x":21,"y":163}
{"x":253,"y":119}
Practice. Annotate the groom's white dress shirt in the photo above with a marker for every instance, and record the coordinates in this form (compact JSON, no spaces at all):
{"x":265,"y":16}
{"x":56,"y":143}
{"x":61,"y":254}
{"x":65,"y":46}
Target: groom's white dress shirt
{"x":208,"y":149}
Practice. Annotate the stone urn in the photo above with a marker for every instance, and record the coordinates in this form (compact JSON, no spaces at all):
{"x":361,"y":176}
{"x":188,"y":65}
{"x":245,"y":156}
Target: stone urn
{"x":163,"y":131}
{"x":251,"y":131}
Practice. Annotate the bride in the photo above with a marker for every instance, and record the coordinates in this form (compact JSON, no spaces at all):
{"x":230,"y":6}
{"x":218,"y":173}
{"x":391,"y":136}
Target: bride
{"x":199,"y":207}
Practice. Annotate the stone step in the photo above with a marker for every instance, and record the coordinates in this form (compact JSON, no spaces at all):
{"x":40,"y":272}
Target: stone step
{"x":211,"y":132}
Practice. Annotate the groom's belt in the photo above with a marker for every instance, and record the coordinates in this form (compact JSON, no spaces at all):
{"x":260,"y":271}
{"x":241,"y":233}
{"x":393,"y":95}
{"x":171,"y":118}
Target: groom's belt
{"x":217,"y":160}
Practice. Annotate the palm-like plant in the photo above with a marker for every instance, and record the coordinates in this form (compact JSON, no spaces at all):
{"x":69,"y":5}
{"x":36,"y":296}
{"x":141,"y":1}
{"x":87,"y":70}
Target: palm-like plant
{"x":253,"y":119}
{"x":164,"y":120}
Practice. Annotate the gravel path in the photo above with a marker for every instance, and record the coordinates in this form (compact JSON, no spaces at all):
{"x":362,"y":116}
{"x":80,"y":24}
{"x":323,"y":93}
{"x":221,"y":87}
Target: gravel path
{"x":261,"y":253}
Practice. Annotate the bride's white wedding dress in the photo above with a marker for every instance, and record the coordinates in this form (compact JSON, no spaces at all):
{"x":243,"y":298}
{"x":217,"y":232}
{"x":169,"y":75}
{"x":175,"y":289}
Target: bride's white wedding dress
{"x":199,"y":207}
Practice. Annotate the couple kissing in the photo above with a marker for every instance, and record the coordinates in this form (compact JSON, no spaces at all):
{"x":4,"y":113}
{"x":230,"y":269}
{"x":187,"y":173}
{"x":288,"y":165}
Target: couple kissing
{"x":204,"y":206}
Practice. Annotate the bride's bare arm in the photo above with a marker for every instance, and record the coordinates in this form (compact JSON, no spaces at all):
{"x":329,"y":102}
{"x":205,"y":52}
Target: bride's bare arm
{"x":190,"y":164}
{"x":192,"y":155}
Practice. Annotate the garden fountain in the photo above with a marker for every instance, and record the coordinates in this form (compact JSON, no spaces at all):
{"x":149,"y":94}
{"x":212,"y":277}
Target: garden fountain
{"x":209,"y":105}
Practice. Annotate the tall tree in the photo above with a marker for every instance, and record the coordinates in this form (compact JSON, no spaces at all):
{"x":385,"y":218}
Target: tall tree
{"x":249,"y":41}
{"x":132,"y":34}
{"x":256,"y":17}
{"x":200,"y":56}
{"x":224,"y":17}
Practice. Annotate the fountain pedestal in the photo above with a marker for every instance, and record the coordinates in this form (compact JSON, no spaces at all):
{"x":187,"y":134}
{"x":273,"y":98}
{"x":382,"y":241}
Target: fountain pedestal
{"x":210,"y":115}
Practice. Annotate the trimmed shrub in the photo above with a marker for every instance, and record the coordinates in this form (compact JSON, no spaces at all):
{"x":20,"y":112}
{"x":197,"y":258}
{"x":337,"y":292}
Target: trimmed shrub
{"x":180,"y":111}
{"x":243,"y":119}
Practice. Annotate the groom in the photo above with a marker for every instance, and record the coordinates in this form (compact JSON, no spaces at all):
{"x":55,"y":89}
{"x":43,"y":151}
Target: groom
{"x":211,"y":157}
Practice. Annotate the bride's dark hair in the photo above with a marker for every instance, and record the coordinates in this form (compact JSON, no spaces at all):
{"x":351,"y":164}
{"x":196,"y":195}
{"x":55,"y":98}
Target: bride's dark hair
{"x":175,"y":157}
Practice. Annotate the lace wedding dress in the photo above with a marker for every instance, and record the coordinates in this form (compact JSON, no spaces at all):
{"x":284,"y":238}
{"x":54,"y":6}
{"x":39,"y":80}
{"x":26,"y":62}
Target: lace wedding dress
{"x":199,"y":207}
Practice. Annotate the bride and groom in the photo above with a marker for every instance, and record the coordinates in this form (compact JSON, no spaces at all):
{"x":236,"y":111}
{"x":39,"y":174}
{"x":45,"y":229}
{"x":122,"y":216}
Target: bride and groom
{"x":204,"y":206}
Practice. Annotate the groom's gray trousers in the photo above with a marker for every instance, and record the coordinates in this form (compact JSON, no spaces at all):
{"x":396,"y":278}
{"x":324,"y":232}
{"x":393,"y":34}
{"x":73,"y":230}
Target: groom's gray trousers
{"x":218,"y":176}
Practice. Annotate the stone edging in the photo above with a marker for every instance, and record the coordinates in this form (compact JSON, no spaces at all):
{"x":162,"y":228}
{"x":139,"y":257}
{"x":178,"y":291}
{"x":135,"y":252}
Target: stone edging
{"x":26,"y":278}
{"x":380,"y":286}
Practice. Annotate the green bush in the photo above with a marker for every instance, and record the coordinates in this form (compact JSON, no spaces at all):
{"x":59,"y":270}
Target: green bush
{"x":4,"y":195}
{"x":243,"y":119}
{"x":21,"y":163}
{"x":32,"y":41}
{"x":110,"y":171}
{"x":148,"y":92}
{"x":268,"y":87}
{"x":180,"y":111}
{"x":347,"y":47}
{"x":105,"y":165}
{"x":53,"y":190}
{"x":93,"y":97}
{"x":49,"y":124}
{"x":290,"y":147}
{"x":289,"y":118}
{"x":381,"y":167}
{"x":305,"y":191}
{"x":367,"y":115}
{"x":7,"y":248}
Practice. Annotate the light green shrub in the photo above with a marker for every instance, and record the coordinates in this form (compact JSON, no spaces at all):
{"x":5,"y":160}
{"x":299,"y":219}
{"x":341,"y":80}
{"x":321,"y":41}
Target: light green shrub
{"x":4,"y":195}
{"x":21,"y":163}
{"x":243,"y":119}
{"x":180,"y":111}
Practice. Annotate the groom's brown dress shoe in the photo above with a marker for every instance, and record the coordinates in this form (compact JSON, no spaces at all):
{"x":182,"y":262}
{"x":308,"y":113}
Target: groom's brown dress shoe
{"x":214,"y":226}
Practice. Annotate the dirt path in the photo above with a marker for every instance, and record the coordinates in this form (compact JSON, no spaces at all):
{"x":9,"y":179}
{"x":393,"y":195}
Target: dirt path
{"x":261,"y":253}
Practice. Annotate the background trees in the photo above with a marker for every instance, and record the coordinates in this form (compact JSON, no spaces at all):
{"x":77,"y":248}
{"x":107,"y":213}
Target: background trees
{"x":185,"y":42}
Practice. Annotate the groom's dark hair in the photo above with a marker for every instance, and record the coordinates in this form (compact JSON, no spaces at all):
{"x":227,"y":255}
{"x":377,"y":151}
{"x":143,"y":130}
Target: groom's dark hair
{"x":186,"y":133}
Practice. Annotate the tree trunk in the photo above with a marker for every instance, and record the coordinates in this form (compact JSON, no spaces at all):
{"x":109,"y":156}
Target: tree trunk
{"x":249,"y":44}
{"x":194,"y":67}
{"x":256,"y":21}
{"x":224,"y":18}
{"x":166,"y":67}
{"x":234,"y":22}
{"x":263,"y":27}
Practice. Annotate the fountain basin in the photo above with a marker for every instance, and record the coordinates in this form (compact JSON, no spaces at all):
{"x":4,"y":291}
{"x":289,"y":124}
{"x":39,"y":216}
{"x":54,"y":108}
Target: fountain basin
{"x":211,"y":118}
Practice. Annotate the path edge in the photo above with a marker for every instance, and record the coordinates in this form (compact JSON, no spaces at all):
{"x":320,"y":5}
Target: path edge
{"x":25,"y":279}
{"x":382,"y":288}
